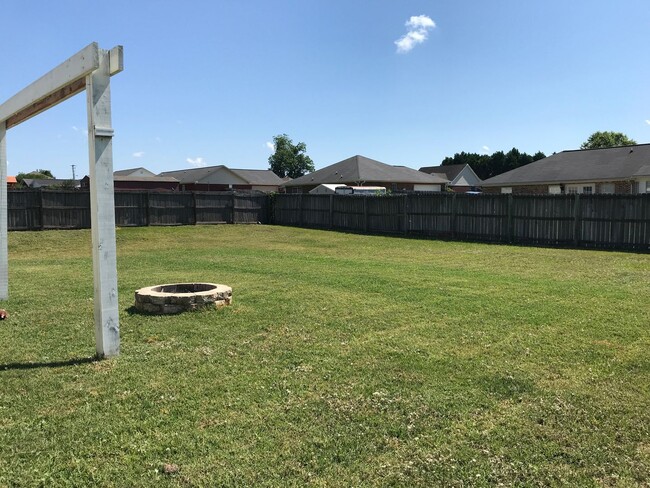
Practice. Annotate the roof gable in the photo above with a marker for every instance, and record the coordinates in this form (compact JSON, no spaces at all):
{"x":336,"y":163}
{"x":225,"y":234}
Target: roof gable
{"x":457,"y":174}
{"x":134,"y":172}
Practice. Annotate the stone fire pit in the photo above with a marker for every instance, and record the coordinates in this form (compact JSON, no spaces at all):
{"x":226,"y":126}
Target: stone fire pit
{"x":181,"y":297}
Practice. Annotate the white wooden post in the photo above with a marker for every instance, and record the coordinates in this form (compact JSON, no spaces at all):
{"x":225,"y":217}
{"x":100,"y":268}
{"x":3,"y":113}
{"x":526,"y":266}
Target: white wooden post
{"x":4,"y":250}
{"x":90,"y":69}
{"x":102,"y":208}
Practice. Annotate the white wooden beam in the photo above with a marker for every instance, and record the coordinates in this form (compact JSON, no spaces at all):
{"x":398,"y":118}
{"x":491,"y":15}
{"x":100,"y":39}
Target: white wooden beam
{"x":4,"y":249}
{"x":102,"y":208}
{"x":61,"y":83}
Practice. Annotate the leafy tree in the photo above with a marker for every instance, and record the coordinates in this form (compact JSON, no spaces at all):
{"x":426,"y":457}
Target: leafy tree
{"x":289,"y":159}
{"x":486,"y":166}
{"x":37,"y":174}
{"x":603,"y":139}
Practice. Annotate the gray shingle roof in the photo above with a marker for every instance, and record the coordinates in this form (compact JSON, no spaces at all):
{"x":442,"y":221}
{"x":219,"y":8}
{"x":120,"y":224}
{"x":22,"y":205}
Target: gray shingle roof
{"x":249,"y":176}
{"x":191,"y":175}
{"x":610,"y":164}
{"x":127,"y":172}
{"x":360,"y":169}
{"x":449,"y":171}
{"x":259,"y":176}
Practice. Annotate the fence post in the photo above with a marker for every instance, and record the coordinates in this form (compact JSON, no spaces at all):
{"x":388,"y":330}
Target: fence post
{"x":146,"y":209}
{"x":365,"y":214}
{"x":331,"y":211}
{"x":405,"y":216}
{"x":194,"y":206}
{"x":511,"y":228}
{"x":576,"y":220}
{"x":453,"y":216}
{"x":232,"y":207}
{"x":41,"y":208}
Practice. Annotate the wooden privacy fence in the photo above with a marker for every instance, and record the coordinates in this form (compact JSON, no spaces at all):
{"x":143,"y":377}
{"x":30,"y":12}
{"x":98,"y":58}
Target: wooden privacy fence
{"x":593,"y":221}
{"x":70,"y":209}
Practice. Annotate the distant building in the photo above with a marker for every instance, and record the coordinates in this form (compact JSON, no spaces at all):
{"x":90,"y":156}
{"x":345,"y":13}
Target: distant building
{"x":135,"y":173}
{"x":624,"y":170}
{"x":11,"y":182}
{"x":51,"y":182}
{"x":153,"y":183}
{"x":362,"y":171}
{"x":222,"y":178}
{"x":461,"y":176}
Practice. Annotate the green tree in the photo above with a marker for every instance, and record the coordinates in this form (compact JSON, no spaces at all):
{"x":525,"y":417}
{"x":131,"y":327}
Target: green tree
{"x":289,"y":159}
{"x":603,"y":139}
{"x":486,"y":166}
{"x":37,"y":174}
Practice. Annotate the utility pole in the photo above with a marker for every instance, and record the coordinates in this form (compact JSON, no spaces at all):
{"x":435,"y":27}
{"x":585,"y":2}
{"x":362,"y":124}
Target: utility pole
{"x":73,"y":167}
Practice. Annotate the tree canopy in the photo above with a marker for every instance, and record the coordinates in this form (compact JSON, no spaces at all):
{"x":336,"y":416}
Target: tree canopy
{"x":486,"y":166}
{"x":37,"y":174}
{"x":602,"y":139}
{"x":289,"y":159}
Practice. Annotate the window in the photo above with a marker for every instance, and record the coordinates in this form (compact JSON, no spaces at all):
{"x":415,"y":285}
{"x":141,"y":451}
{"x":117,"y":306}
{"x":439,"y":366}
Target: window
{"x":506,"y":190}
{"x":607,"y":188}
{"x":554,"y":189}
{"x":644,"y":186}
{"x":587,"y":189}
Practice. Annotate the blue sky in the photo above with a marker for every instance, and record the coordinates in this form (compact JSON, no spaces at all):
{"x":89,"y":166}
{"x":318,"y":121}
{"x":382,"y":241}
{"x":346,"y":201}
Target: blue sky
{"x":211,"y":82}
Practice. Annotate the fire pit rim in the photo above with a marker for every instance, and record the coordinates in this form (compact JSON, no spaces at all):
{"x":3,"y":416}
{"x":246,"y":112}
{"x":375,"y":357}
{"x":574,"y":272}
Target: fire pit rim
{"x":154,"y":290}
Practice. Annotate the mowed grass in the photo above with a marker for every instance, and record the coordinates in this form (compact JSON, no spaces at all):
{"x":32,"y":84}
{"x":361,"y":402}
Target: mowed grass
{"x":345,"y":360}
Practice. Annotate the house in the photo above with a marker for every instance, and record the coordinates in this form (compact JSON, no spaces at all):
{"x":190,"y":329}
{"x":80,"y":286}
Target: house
{"x":461,"y":176}
{"x":12,"y":182}
{"x":135,"y":173}
{"x":624,"y":169}
{"x":222,"y":178}
{"x":348,"y":190}
{"x":51,"y":182}
{"x":153,"y":183}
{"x":362,"y":171}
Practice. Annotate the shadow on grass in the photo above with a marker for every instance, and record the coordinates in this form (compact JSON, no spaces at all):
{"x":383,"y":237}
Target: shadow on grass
{"x":48,"y":364}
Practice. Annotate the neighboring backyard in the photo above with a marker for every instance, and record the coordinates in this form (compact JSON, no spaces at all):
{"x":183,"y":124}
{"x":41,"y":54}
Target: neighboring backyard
{"x":345,"y":360}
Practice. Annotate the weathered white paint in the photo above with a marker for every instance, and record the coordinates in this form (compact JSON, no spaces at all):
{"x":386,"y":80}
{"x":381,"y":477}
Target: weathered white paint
{"x":102,"y":208}
{"x":52,"y":85}
{"x":89,"y":69}
{"x":4,"y":250}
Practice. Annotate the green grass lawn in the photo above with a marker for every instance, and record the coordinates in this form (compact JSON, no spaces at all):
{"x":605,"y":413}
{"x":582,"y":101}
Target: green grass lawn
{"x":345,"y":360}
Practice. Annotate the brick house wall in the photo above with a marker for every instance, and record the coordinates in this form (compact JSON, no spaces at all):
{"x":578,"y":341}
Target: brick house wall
{"x":626,"y":187}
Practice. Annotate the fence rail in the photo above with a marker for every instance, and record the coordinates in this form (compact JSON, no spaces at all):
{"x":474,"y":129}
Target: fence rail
{"x":592,"y":221}
{"x":70,"y":209}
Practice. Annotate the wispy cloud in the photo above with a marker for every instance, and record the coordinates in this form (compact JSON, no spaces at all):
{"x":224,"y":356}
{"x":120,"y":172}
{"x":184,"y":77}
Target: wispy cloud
{"x":647,"y":121}
{"x":196,"y":162}
{"x":418,"y":27}
{"x":270,"y":146}
{"x":486,"y":149}
{"x":138,"y":154}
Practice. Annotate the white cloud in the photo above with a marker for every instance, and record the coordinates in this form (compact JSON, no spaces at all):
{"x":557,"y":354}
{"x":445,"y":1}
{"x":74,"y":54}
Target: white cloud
{"x":75,"y":128}
{"x":647,"y":121}
{"x":270,"y":146}
{"x":486,"y":149}
{"x":197,"y":162}
{"x":420,"y":22}
{"x":138,"y":154}
{"x":418,"y":31}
